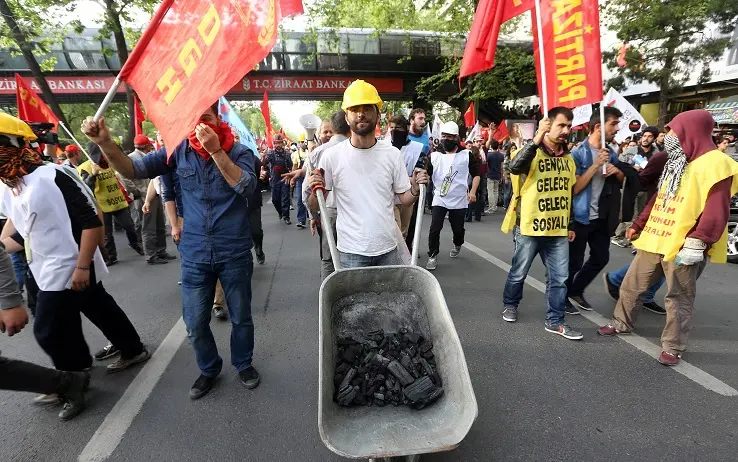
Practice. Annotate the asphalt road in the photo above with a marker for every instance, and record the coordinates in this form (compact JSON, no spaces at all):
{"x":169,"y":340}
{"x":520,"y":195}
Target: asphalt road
{"x":540,"y":397}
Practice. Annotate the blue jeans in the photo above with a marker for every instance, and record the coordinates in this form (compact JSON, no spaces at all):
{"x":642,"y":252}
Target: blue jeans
{"x":198,"y":291}
{"x":20,"y":266}
{"x":554,"y":252}
{"x":616,"y":278}
{"x":281,"y":197}
{"x":352,"y":260}
{"x":301,"y":210}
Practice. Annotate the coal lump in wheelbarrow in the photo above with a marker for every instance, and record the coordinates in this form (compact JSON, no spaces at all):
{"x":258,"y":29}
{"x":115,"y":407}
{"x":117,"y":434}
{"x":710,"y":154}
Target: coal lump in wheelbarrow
{"x":377,"y":368}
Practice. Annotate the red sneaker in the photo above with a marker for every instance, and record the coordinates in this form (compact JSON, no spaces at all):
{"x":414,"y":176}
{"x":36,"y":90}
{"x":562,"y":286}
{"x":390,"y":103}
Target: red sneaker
{"x":609,"y":330}
{"x":668,"y":359}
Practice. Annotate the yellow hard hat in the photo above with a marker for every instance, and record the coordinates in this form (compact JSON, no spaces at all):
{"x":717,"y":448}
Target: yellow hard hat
{"x":10,"y":125}
{"x":360,"y":92}
{"x":301,"y":137}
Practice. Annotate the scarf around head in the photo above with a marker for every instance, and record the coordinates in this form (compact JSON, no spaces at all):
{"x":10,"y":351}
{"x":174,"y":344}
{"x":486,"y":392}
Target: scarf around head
{"x":15,"y":163}
{"x":225,"y":136}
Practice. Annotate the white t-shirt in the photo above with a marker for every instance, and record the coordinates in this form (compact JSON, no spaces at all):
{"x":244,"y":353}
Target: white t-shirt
{"x":364,"y":183}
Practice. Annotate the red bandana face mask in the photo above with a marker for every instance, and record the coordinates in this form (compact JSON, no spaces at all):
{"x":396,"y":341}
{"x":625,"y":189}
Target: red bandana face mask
{"x":225,"y":136}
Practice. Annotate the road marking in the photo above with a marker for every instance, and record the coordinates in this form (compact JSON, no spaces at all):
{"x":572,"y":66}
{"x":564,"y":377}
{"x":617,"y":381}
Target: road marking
{"x":110,"y":433}
{"x":693,"y":373}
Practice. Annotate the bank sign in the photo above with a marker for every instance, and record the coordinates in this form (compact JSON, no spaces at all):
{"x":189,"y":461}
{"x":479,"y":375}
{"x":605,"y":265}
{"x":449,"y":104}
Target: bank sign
{"x":63,"y":85}
{"x":276,"y":85}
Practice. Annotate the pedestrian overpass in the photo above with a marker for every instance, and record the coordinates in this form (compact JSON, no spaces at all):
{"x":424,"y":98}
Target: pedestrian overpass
{"x":315,"y":65}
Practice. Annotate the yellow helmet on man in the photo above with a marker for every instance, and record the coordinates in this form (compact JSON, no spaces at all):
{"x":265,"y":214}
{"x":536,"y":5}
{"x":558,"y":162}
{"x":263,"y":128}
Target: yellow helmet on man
{"x":360,"y":93}
{"x":13,"y":126}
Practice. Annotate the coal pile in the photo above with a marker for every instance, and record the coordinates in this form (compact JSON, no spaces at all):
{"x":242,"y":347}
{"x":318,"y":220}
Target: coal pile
{"x":381,"y":368}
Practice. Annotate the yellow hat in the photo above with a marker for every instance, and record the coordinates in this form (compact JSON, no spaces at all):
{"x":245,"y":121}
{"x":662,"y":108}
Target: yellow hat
{"x":301,"y":138}
{"x":360,"y":92}
{"x":10,"y":125}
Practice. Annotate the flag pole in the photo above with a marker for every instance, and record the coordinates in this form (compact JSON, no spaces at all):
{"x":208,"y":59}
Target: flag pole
{"x":602,"y":132}
{"x":73,"y":138}
{"x":541,"y":58}
{"x":108,"y":99}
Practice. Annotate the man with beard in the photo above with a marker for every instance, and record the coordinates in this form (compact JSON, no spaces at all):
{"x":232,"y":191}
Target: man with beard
{"x":540,"y":214}
{"x":216,"y":178}
{"x":646,"y":145}
{"x":417,"y":129}
{"x":682,"y":224}
{"x":365,"y":176}
{"x":279,"y":162}
{"x":412,"y":153}
{"x":660,"y":141}
{"x":596,"y":199}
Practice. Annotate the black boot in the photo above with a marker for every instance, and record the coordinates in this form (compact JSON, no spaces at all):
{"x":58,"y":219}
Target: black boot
{"x":260,"y":257}
{"x":73,"y":394}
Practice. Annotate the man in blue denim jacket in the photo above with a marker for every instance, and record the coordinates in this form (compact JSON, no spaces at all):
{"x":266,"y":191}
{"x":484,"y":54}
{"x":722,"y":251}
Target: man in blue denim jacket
{"x":590,"y":219}
{"x":216,"y":178}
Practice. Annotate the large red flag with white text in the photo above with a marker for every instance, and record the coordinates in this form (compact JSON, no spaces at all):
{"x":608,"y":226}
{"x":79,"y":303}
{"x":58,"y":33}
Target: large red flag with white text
{"x":571,"y":51}
{"x":31,"y":107}
{"x":193,"y":52}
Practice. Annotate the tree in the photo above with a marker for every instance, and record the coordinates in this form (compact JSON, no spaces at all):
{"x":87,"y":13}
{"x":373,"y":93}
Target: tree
{"x":250,"y":114}
{"x":23,"y":23}
{"x":668,"y":40}
{"x":116,"y":118}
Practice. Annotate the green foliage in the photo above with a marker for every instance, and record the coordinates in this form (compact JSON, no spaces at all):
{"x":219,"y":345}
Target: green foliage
{"x":116,"y":118}
{"x":668,"y":39}
{"x":40,"y":27}
{"x":251,"y":116}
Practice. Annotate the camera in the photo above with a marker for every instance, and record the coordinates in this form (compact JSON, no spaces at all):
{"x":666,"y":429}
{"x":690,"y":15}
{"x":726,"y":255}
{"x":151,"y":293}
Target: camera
{"x":42,"y":130}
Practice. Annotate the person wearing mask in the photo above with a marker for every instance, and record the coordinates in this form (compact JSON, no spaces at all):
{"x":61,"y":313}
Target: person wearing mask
{"x":596,"y":199}
{"x":365,"y":222}
{"x":216,"y":178}
{"x":683,"y":224}
{"x":138,"y":188}
{"x":413,"y":157}
{"x":417,"y":129}
{"x":452,"y":195}
{"x":101,"y":179}
{"x":546,"y":230}
{"x":495,"y":158}
{"x":279,"y":162}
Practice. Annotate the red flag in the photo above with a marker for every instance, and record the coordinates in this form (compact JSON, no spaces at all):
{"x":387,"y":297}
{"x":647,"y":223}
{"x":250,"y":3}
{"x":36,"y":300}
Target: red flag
{"x":138,"y":115}
{"x":267,"y":121}
{"x":571,"y":49}
{"x":193,"y":52}
{"x":479,"y":54}
{"x":30,"y":106}
{"x":501,"y":133}
{"x":469,"y":116}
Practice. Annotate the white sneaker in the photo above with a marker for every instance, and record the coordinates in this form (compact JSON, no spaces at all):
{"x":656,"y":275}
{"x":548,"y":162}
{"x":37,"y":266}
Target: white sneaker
{"x":431,"y":265}
{"x":455,"y":251}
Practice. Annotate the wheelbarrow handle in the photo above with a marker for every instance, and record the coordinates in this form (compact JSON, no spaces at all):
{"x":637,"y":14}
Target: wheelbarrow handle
{"x":328,"y":229}
{"x":418,"y":225}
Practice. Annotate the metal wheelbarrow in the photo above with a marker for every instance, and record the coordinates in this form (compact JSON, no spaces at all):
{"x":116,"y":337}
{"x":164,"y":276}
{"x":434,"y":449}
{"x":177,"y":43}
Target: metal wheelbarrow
{"x":388,"y":298}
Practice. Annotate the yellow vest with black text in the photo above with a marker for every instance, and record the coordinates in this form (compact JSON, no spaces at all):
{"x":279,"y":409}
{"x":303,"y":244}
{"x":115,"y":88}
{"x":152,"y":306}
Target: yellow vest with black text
{"x":668,"y":225}
{"x":544,"y":199}
{"x":107,"y":189}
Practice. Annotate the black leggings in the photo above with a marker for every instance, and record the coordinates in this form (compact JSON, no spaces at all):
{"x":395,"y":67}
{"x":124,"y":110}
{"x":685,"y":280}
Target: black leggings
{"x":455,"y":217}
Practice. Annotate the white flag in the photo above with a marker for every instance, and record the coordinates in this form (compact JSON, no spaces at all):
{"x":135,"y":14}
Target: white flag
{"x":475,"y":131}
{"x":582,"y":114}
{"x":631,"y":122}
{"x":436,"y":130}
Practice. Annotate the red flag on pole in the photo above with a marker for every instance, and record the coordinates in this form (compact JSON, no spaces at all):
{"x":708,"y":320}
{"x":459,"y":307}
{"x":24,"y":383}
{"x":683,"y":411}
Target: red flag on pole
{"x":469,"y":116}
{"x":571,"y":52}
{"x":31,"y":107}
{"x":193,"y":52}
{"x":479,"y":54}
{"x":138,"y":115}
{"x":267,"y":121}
{"x":501,"y":133}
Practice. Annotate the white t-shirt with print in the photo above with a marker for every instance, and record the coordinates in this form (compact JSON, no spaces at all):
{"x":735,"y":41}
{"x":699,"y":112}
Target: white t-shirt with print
{"x":364,"y":183}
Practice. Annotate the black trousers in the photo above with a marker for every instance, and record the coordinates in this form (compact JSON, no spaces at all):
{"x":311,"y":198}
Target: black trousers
{"x":582,"y":273}
{"x":19,"y":375}
{"x":455,"y":217}
{"x":58,"y":325}
{"x":475,"y":209}
{"x":411,"y":228}
{"x":122,"y":216}
{"x":257,"y":233}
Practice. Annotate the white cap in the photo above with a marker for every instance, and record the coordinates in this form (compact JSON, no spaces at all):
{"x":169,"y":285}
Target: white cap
{"x":450,"y":128}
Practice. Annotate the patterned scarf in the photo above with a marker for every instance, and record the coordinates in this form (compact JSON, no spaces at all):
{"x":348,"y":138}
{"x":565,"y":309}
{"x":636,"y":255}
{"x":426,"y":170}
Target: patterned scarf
{"x":15,"y":163}
{"x":674,"y":168}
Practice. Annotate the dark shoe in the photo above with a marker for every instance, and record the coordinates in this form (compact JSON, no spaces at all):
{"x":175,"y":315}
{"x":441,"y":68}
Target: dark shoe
{"x":260,"y":257}
{"x":668,"y":359}
{"x":201,"y":387}
{"x":137,"y":248}
{"x":612,"y":290}
{"x":167,"y":256}
{"x":569,"y":308}
{"x":564,"y":331}
{"x":250,"y":378}
{"x":219,"y":312}
{"x":124,"y":363}
{"x":287,"y":221}
{"x":609,"y":330}
{"x":74,"y":397}
{"x":157,"y":261}
{"x":654,"y":307}
{"x":510,"y":314}
{"x":580,"y":302}
{"x":300,"y":225}
{"x":111,"y":261}
{"x":108,"y":351}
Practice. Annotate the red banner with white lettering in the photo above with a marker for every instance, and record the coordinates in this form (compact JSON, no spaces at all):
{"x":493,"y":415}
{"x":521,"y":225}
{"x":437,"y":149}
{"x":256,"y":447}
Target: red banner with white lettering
{"x":193,"y":52}
{"x":30,"y":107}
{"x":571,"y":51}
